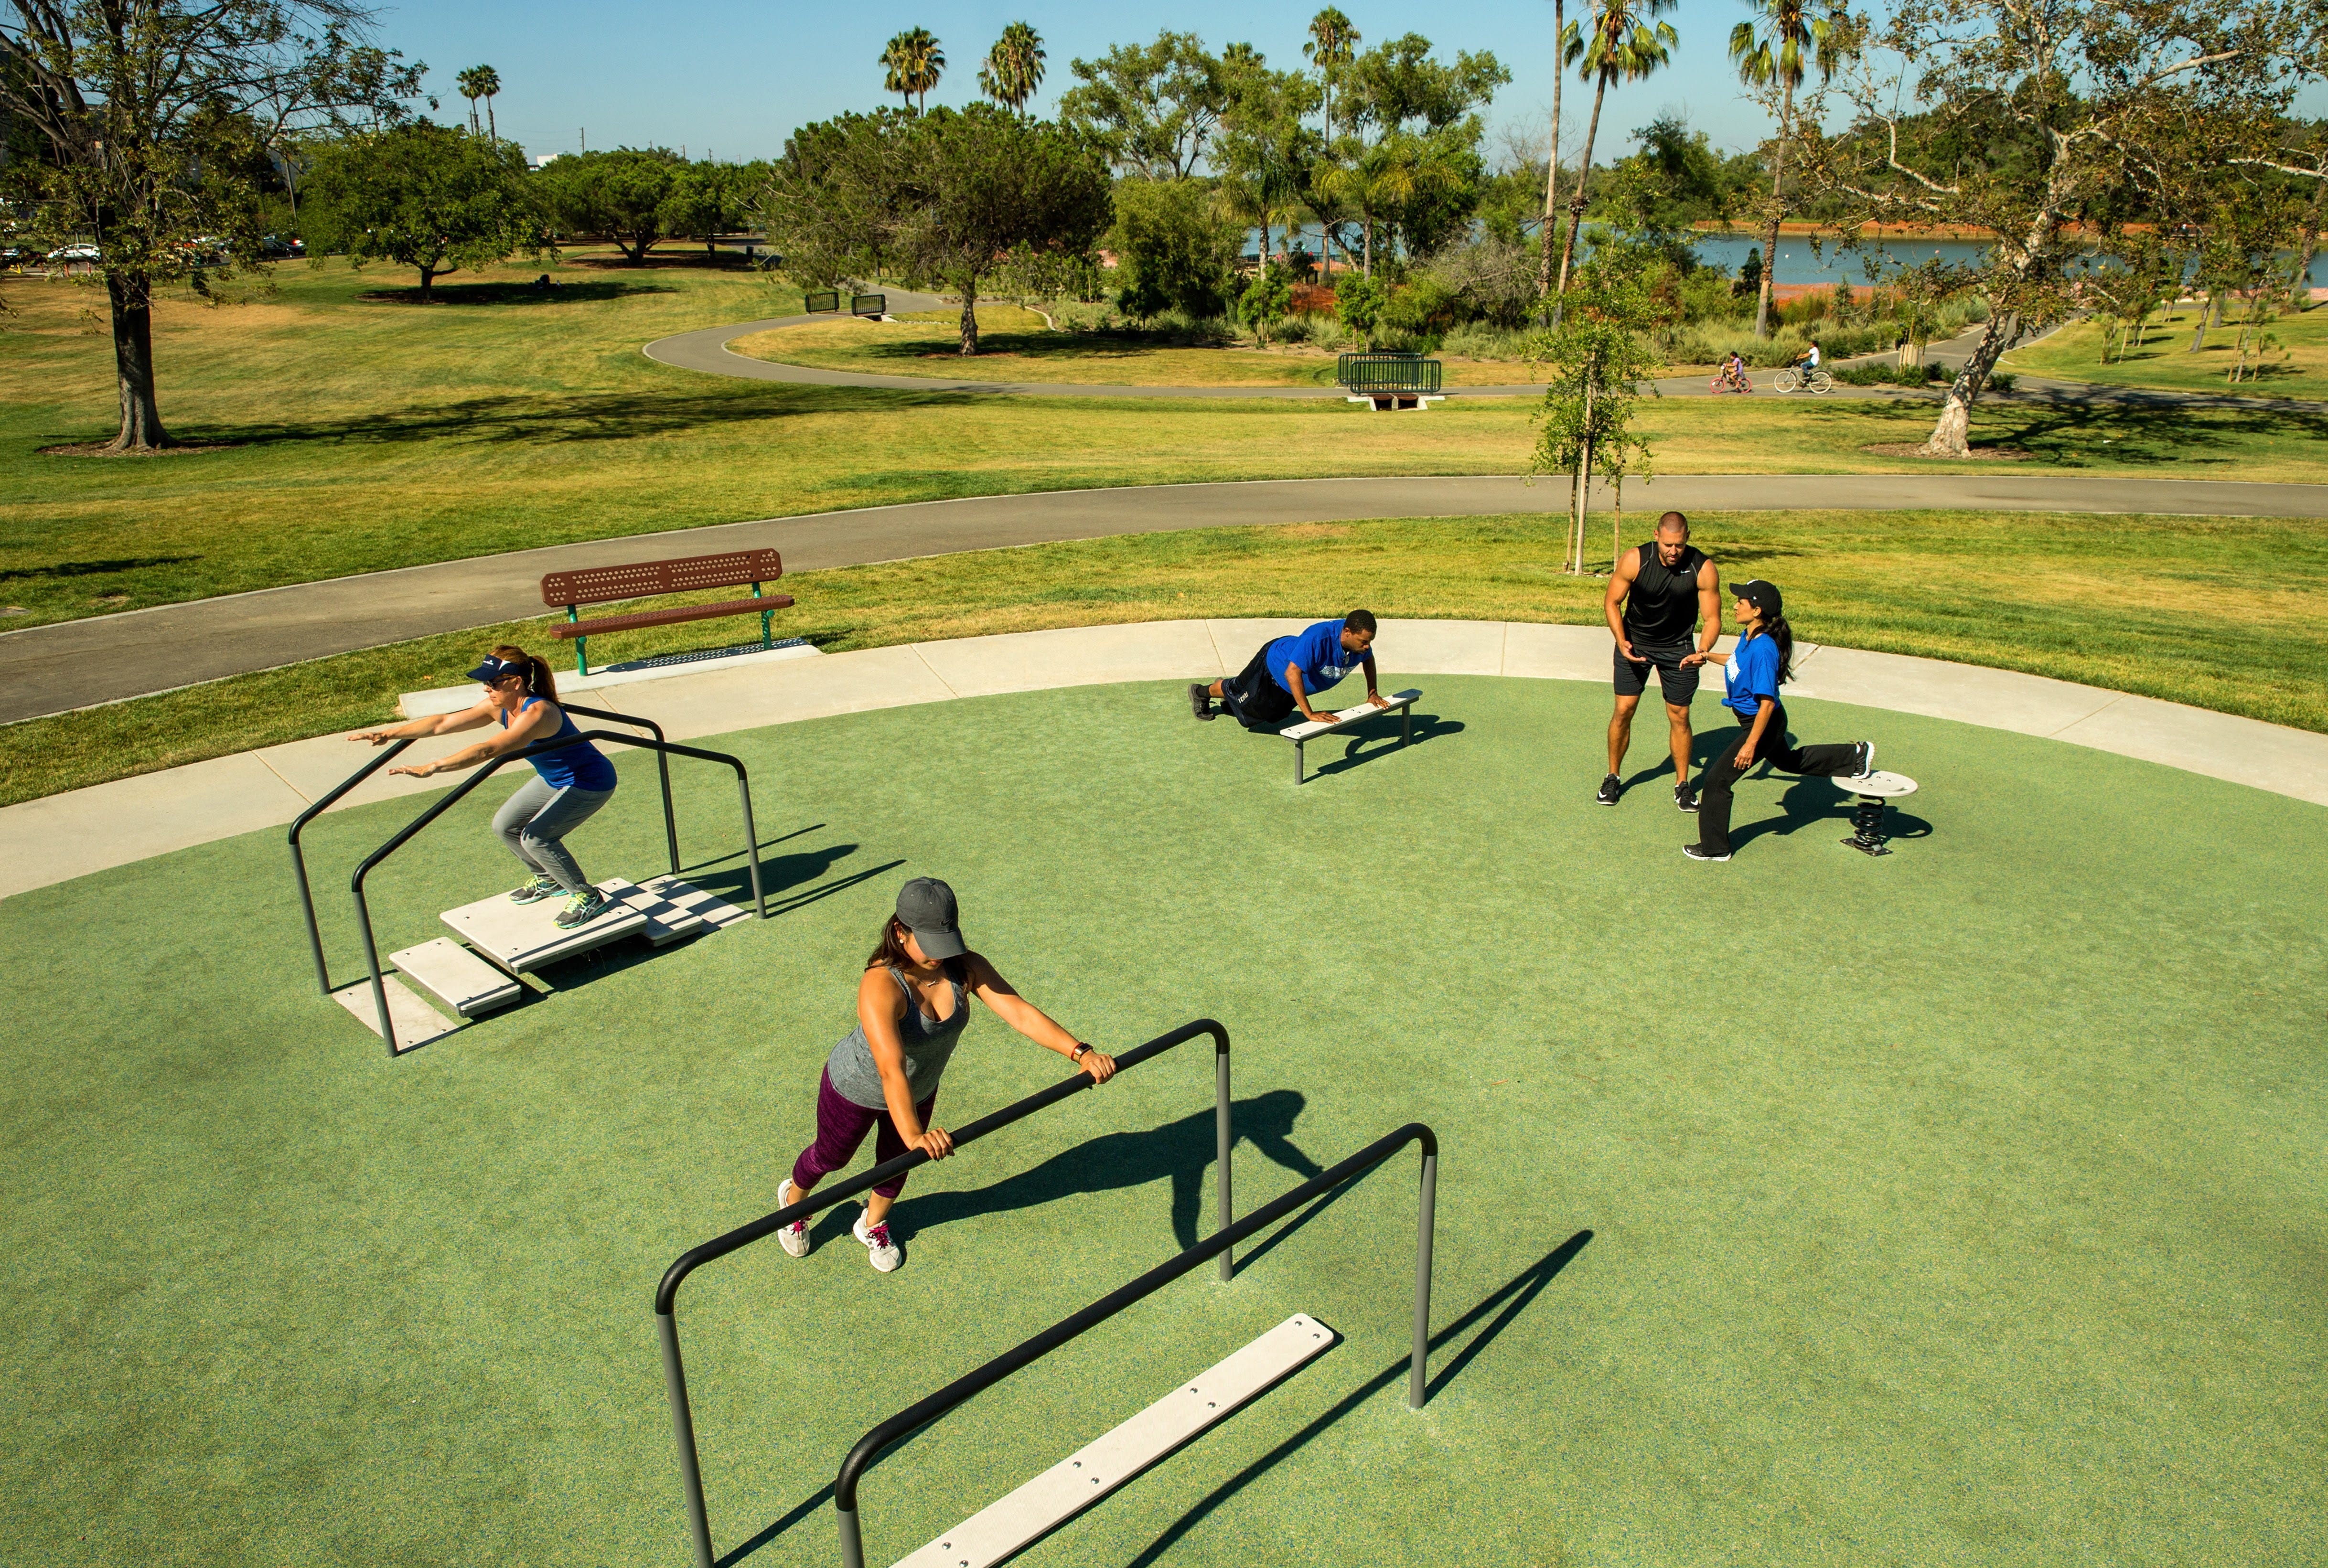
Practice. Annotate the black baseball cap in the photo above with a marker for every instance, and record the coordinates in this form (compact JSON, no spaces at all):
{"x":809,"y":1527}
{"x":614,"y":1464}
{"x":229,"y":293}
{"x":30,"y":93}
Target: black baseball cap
{"x":927,"y":908}
{"x":494,"y":670}
{"x":1763,"y":597}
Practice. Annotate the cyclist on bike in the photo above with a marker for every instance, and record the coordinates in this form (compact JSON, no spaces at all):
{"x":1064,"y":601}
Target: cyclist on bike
{"x":1733,"y":375}
{"x":1808,"y":360}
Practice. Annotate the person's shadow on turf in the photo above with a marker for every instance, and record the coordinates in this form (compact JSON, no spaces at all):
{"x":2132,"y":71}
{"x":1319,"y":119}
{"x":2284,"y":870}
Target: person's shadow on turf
{"x":1180,"y":1151}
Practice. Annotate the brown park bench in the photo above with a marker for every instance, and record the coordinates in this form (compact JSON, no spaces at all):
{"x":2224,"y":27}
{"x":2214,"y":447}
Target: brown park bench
{"x":647,"y":579}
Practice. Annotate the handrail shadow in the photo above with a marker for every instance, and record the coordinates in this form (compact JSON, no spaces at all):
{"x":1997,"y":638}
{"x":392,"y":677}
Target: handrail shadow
{"x":1514,"y":1295}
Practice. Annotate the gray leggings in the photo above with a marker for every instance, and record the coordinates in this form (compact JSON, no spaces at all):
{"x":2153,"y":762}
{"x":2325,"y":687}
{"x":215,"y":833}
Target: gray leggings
{"x":536,"y":817}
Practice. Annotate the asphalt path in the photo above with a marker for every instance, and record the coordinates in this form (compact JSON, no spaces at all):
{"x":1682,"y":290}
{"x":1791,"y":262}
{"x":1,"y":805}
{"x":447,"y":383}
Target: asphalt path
{"x":107,"y":658}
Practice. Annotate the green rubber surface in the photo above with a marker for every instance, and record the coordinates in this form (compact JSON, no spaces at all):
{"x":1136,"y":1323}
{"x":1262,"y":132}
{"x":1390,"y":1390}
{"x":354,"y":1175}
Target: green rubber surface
{"x":1960,"y":1206}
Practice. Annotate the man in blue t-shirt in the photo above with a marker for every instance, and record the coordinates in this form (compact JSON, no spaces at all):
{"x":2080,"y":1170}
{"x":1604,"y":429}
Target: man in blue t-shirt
{"x":1288,"y":673}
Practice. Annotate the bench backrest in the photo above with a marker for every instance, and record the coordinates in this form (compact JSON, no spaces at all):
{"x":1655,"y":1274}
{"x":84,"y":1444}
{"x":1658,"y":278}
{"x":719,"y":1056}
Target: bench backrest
{"x":1388,"y":373}
{"x":645,"y":579}
{"x":821,"y":299}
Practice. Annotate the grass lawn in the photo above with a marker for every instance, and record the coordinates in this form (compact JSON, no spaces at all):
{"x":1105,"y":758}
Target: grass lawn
{"x":2297,"y":368}
{"x":353,"y":430}
{"x":2224,"y":613}
{"x":1018,"y":345}
{"x":1961,"y":1208}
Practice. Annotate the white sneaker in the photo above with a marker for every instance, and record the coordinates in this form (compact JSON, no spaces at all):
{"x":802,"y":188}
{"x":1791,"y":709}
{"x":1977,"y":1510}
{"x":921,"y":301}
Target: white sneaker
{"x":794,"y":1237}
{"x":882,"y":1252}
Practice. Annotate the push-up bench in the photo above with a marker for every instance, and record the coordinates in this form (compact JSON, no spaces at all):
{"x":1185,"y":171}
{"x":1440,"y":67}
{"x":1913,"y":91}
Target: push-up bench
{"x":1303,"y":732}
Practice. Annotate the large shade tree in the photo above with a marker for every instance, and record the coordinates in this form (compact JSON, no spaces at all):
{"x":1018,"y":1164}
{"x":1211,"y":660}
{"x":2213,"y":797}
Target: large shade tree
{"x":2017,"y":118}
{"x":1153,"y":108}
{"x":146,"y":126}
{"x":949,"y":196}
{"x":1774,"y":50}
{"x":433,"y":198}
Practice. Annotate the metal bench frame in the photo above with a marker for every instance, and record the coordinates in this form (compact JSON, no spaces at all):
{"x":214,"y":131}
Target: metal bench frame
{"x":1387,"y":382}
{"x":869,"y":304}
{"x":570,"y":590}
{"x":822,"y":301}
{"x":1401,"y":703}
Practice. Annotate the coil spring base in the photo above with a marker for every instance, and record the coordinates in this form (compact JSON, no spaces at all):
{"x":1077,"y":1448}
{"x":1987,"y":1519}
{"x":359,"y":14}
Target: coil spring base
{"x":1867,"y":827}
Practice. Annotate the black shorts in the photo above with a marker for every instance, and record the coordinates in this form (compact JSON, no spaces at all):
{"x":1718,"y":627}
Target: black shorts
{"x":1254,"y":696}
{"x":1679,"y":682}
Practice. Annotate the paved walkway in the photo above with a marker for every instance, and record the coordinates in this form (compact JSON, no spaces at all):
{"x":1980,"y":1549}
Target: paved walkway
{"x":112,"y":824}
{"x":107,"y":658}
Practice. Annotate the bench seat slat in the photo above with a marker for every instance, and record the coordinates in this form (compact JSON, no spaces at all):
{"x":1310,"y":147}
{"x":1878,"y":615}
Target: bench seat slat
{"x":568,"y":630}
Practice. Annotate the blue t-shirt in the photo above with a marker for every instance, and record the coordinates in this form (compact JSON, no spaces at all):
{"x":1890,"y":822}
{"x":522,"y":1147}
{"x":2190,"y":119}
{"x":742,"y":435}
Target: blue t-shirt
{"x":1752,"y":674}
{"x":1318,"y":652}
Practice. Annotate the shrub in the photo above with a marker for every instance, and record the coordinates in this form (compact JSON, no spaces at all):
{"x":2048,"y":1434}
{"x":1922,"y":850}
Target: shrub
{"x":1424,"y":308}
{"x":1883,"y":375}
{"x":1171,"y":252}
{"x":1480,"y":340}
{"x":1359,"y":302}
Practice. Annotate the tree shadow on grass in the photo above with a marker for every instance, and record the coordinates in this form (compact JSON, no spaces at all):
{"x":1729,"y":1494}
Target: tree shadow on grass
{"x":94,"y":569}
{"x":564,"y":293}
{"x":2071,"y":431}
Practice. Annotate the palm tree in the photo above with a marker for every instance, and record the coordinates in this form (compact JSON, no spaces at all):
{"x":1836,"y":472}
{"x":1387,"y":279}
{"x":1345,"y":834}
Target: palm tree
{"x":1769,"y":49}
{"x":1620,"y":46}
{"x":1013,"y":68}
{"x":913,"y":62}
{"x":1400,"y":168}
{"x":1333,"y":42}
{"x":481,"y":81}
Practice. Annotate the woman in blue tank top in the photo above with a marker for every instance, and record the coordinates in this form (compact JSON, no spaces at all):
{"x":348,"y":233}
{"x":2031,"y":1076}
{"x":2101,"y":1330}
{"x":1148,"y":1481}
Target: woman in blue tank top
{"x":569,"y":785}
{"x":912,"y":1002}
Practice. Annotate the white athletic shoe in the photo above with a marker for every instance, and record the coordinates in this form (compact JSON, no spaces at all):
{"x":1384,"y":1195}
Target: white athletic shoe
{"x":882,"y":1252}
{"x":794,"y":1237}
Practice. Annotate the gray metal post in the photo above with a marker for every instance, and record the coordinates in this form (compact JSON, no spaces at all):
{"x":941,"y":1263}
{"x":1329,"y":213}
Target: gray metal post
{"x":379,"y":985}
{"x":1421,"y":1359}
{"x":1297,"y":763}
{"x":752,"y":846}
{"x":852,"y":1545}
{"x":307,"y":908}
{"x":669,"y":822}
{"x":682,"y":1423}
{"x":1224,"y":1141}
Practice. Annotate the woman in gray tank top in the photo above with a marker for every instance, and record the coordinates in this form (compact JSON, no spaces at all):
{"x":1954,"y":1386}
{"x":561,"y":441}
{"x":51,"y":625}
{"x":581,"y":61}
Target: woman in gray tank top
{"x":912,"y":1004}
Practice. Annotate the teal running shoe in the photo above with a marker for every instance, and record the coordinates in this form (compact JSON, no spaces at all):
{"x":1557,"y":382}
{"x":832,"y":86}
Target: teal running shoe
{"x":581,"y":909}
{"x":535,"y":891}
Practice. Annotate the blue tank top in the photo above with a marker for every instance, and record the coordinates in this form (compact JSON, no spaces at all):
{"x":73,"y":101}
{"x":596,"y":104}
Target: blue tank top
{"x":578,"y":766}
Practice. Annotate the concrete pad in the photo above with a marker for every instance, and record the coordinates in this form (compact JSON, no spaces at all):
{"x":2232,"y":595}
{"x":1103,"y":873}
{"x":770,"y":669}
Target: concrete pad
{"x":1556,"y":652}
{"x":1440,"y":647}
{"x":1996,"y":699}
{"x":111,"y":824}
{"x":2290,"y":762}
{"x":784,"y":693}
{"x":415,"y":1022}
{"x":454,"y":699}
{"x":523,"y":937}
{"x":454,"y":976}
{"x":1080,"y":656}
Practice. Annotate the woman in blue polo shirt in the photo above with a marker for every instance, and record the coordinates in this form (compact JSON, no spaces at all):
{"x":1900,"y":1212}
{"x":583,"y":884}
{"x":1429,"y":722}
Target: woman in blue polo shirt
{"x":1762,"y":662}
{"x":569,"y":785}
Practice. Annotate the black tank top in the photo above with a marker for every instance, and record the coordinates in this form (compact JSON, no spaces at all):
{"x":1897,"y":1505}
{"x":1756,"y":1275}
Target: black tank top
{"x":1662,"y":606}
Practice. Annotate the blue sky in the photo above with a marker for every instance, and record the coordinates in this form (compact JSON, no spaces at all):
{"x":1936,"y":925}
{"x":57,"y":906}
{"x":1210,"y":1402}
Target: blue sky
{"x":734,"y":78}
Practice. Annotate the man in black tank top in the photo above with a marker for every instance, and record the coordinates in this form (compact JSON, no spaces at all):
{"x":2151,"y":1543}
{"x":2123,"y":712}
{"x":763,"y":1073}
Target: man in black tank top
{"x":1664,"y":606}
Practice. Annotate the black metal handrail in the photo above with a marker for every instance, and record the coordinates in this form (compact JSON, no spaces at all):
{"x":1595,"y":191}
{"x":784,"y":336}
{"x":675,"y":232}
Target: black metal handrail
{"x":674,"y":1369}
{"x":299,"y":858}
{"x":868,"y":1447}
{"x":492,"y":766}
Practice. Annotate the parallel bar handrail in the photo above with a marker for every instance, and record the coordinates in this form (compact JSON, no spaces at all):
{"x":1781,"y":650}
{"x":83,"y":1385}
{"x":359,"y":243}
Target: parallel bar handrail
{"x":493,"y":765}
{"x":869,"y":1447}
{"x":663,"y":767}
{"x":674,"y":1369}
{"x":299,"y":858}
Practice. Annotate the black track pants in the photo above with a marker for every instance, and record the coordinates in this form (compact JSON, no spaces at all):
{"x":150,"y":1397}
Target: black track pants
{"x":1713,"y":786}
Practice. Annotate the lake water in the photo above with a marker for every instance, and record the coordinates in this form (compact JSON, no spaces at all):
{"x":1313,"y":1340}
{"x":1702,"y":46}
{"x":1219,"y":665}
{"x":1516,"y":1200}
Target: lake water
{"x":1800,"y":260}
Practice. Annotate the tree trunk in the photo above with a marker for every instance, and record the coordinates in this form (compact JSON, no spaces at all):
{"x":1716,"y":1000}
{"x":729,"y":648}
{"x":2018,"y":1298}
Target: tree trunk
{"x":1948,"y":435}
{"x":133,"y":363}
{"x":2307,"y":246}
{"x":1583,"y":489}
{"x":1576,"y":202}
{"x":1370,"y":245}
{"x":969,"y":315}
{"x":1617,"y":524}
{"x":427,"y":277}
{"x":2199,"y":333}
{"x":1769,"y":290}
{"x":492,"y":131}
{"x":1552,"y":165}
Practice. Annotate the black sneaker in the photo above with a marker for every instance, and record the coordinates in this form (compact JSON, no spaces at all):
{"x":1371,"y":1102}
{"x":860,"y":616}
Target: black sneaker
{"x":583,"y":908}
{"x":1686,"y":799}
{"x":1695,"y":853}
{"x":1200,"y":697}
{"x":1866,"y":759}
{"x":1611,"y":788}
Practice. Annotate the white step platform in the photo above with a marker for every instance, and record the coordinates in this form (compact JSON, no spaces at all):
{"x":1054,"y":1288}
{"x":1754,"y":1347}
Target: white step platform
{"x":456,"y":977}
{"x":1000,"y":1529}
{"x":416,"y":1023}
{"x":523,"y":937}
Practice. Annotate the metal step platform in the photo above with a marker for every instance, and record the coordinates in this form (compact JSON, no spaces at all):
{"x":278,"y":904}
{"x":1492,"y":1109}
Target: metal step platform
{"x":416,"y":1023}
{"x":523,"y":937}
{"x":456,"y":977}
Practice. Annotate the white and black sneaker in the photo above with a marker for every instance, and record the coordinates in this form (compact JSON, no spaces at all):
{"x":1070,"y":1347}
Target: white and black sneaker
{"x":1200,"y":699}
{"x":794,"y":1237}
{"x":1686,"y":799}
{"x":1866,"y":759}
{"x":1695,"y":853}
{"x":1611,"y":788}
{"x":581,"y":909}
{"x":883,"y":1254}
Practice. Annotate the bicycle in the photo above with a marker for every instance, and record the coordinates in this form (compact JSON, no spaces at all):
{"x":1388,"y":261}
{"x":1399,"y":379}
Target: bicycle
{"x":1793,"y":379}
{"x":1721,"y":384}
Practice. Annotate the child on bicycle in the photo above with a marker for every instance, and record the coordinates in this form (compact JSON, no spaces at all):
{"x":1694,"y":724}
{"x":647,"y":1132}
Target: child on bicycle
{"x":1732,"y":376}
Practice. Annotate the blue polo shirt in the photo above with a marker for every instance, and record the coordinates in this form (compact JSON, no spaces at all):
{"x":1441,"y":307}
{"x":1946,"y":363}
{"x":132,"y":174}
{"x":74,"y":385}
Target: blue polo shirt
{"x":1752,"y":674}
{"x":1318,"y":652}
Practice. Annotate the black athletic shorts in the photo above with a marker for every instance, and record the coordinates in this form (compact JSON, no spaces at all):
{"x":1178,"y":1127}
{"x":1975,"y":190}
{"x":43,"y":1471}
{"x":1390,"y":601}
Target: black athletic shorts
{"x":1254,"y":697}
{"x":1678,"y":681}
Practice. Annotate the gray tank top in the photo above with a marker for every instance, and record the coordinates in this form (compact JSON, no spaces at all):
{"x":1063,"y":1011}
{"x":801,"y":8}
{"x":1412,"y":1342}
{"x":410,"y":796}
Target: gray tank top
{"x":929,"y":1045}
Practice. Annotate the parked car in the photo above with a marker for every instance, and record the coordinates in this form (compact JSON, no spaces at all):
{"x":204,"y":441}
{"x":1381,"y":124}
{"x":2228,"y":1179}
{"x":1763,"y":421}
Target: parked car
{"x":278,"y":249}
{"x":66,"y":254}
